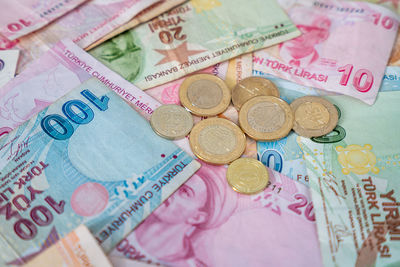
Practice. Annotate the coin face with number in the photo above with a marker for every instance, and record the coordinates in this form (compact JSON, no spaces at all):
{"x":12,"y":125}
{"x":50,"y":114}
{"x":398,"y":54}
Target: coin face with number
{"x":266,"y":118}
{"x":204,"y":95}
{"x":247,"y":176}
{"x":314,"y":116}
{"x":217,"y":141}
{"x":171,"y":121}
{"x":252,"y":87}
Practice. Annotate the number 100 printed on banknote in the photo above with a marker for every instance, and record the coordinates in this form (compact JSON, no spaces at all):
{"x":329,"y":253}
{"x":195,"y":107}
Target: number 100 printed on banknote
{"x":344,"y":48}
{"x":88,"y":158}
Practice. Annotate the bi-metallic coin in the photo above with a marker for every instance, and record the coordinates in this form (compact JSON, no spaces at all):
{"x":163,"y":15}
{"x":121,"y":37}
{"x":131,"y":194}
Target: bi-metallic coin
{"x":171,"y":122}
{"x":217,"y":141}
{"x":314,"y":116}
{"x":251,"y":87}
{"x":204,"y":95}
{"x":266,"y":118}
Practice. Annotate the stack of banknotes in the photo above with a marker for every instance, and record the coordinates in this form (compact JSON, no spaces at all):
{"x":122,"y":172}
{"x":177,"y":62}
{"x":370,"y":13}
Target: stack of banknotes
{"x":89,"y":175}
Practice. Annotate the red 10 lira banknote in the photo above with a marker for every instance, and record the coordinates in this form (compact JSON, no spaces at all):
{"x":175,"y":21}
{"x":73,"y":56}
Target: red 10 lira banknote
{"x":344,"y":48}
{"x":18,"y":18}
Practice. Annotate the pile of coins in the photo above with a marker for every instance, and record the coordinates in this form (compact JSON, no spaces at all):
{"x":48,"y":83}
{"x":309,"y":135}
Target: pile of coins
{"x":263,"y":116}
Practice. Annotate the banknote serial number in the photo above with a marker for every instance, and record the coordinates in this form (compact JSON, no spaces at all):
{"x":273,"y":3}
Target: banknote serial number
{"x":338,"y":8}
{"x":76,"y":111}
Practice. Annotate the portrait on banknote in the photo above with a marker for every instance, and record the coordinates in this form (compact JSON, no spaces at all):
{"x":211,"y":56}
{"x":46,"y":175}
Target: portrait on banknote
{"x":206,"y":223}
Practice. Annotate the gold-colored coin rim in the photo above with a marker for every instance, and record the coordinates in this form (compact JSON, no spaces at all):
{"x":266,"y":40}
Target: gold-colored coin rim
{"x":333,"y":117}
{"x":236,"y":100}
{"x":276,"y":135}
{"x":232,"y":176}
{"x":212,"y":158}
{"x":221,"y":107}
{"x":170,"y":137}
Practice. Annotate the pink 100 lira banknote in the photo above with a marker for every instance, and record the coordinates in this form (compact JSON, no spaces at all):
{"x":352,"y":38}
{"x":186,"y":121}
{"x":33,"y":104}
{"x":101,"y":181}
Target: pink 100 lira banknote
{"x":206,"y":223}
{"x":18,"y":18}
{"x":344,"y":48}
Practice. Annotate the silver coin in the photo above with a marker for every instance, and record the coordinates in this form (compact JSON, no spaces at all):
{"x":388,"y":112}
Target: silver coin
{"x":171,"y":122}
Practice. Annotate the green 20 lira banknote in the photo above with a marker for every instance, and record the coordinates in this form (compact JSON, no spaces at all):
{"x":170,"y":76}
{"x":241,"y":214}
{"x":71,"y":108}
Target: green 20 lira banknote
{"x":194,"y":36}
{"x":355,"y":184}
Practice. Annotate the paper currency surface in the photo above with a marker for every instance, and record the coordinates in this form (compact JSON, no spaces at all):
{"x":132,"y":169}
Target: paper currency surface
{"x":147,"y":14}
{"x":8,"y":65}
{"x":355,"y":185}
{"x":105,"y":16}
{"x":18,"y":18}
{"x":194,"y":36}
{"x":53,"y":75}
{"x":77,"y":249}
{"x":206,"y":223}
{"x":285,"y":155}
{"x":90,"y":159}
{"x":239,"y":68}
{"x":336,"y":51}
{"x":391,"y":4}
{"x":84,"y":25}
{"x":124,"y":262}
{"x":394,"y":59}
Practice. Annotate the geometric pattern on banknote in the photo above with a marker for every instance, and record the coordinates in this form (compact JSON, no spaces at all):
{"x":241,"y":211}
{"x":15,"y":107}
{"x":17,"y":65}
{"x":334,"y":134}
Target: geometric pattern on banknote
{"x":357,"y":159}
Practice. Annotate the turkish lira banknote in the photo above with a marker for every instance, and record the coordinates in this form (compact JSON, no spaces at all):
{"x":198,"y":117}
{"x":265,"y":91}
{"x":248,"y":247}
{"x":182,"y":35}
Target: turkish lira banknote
{"x":335,"y":51}
{"x":18,"y":18}
{"x":285,"y":155}
{"x":194,"y":36}
{"x":77,"y":249}
{"x":88,"y":158}
{"x":147,"y":14}
{"x":392,"y":4}
{"x":206,"y":223}
{"x":355,"y":184}
{"x":53,"y":75}
{"x":83,"y":25}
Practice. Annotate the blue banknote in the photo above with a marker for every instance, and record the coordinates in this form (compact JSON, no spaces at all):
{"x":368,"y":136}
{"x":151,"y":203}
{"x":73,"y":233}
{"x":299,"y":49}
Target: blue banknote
{"x":285,"y":155}
{"x":88,"y":158}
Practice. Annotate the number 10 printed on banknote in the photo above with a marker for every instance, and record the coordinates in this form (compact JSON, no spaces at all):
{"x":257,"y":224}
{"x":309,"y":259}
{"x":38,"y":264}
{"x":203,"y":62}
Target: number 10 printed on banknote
{"x":344,"y":48}
{"x":88,"y":158}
